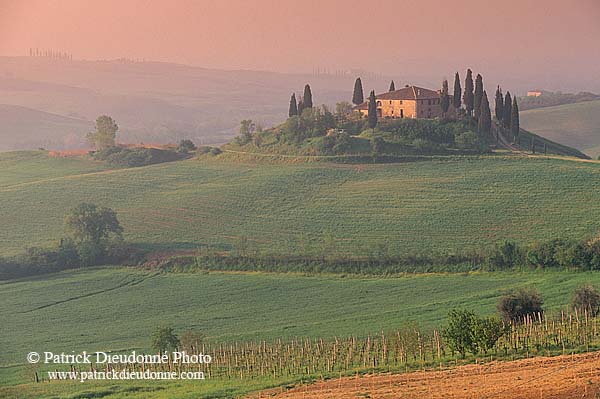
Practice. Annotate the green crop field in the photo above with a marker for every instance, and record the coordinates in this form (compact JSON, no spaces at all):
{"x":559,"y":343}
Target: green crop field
{"x":576,"y":125}
{"x":442,"y":204}
{"x":118,"y":308}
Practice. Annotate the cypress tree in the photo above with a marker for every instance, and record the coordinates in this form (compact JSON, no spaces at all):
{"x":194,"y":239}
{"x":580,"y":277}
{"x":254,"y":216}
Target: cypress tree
{"x":485,"y":115}
{"x":293,"y":106}
{"x":468,"y":96}
{"x":457,"y":91}
{"x":444,"y":98}
{"x":392,"y":86}
{"x":357,"y":96}
{"x":307,"y":98}
{"x":499,"y":104}
{"x":300,"y":106}
{"x":506,"y":115}
{"x":478,"y":96}
{"x":372,"y":110}
{"x":514,"y":119}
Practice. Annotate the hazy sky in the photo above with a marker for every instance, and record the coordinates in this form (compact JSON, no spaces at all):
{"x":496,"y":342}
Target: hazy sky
{"x":384,"y":36}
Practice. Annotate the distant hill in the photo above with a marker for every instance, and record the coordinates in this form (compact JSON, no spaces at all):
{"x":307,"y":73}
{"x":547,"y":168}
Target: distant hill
{"x":576,"y":125}
{"x":26,"y":128}
{"x":157,"y":102}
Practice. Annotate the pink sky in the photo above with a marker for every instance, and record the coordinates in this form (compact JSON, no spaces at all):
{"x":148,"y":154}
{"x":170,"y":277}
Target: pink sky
{"x":384,"y":36}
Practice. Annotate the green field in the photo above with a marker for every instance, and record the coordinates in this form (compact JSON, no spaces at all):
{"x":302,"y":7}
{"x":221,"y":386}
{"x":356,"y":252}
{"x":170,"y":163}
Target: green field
{"x":442,"y":204}
{"x":118,"y":308}
{"x":576,"y":125}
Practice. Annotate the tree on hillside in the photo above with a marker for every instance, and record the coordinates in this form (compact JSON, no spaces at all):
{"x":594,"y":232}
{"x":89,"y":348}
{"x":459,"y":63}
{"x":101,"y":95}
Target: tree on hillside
{"x":444,"y":98}
{"x":506,"y":115}
{"x":516,"y":305}
{"x":105,"y":134}
{"x":293,"y":111}
{"x":478,"y":96}
{"x":88,"y":223}
{"x":372,"y":110}
{"x":392,"y":86}
{"x":514,"y":119}
{"x":358,"y":96}
{"x":499,"y":104}
{"x":307,"y":98}
{"x":485,"y":116}
{"x":457,"y":92}
{"x":468,"y":96}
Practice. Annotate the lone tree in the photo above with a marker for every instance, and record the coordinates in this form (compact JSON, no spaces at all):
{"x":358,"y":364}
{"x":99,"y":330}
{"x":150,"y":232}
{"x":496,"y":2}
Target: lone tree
{"x":293,"y":111}
{"x":499,"y":110}
{"x":392,"y":86}
{"x":88,"y":223}
{"x":372,"y":110}
{"x":478,"y":96}
{"x":444,"y":98}
{"x":457,"y":92}
{"x":514,"y":119}
{"x":468,"y":97}
{"x":307,"y":98}
{"x":105,"y":134}
{"x":506,"y":115}
{"x":358,"y":96}
{"x":164,"y":339}
{"x":485,"y":116}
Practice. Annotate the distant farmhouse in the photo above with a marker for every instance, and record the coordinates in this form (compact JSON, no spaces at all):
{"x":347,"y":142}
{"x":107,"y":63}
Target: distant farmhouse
{"x":534,"y":93}
{"x":408,"y":102}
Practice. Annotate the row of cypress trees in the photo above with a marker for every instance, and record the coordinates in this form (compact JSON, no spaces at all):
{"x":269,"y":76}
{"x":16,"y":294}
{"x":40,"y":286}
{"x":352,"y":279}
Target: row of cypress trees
{"x":507,"y":112}
{"x":306,"y":101}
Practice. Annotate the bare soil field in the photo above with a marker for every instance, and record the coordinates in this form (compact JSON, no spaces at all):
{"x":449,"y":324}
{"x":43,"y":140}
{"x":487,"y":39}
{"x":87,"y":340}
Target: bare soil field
{"x":561,"y":377}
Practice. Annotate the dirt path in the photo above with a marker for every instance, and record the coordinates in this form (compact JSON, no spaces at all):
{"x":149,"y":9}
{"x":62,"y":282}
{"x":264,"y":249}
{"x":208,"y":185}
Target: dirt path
{"x":563,"y":377}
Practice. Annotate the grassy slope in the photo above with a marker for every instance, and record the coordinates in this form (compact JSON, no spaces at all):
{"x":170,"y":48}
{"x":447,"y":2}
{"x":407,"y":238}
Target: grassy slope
{"x":442,"y":204}
{"x":117,"y":308}
{"x":576,"y":125}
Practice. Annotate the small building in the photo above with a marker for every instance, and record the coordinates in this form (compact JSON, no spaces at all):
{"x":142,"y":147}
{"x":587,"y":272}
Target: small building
{"x":408,"y":102}
{"x":534,"y":93}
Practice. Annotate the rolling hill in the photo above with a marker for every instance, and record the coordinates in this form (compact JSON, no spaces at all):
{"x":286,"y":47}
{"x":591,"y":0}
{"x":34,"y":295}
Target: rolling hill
{"x":576,"y":125}
{"x":433,"y":204}
{"x":153,"y":102}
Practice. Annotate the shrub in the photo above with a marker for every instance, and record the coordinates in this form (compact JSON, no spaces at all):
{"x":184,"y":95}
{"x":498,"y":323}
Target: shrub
{"x":186,"y":146}
{"x":467,"y":140}
{"x":205,"y":149}
{"x":467,"y":332}
{"x":459,"y":331}
{"x":516,"y":305}
{"x":587,"y":299}
{"x":164,"y":339}
{"x":132,"y":157}
{"x":487,"y":331}
{"x":215,"y":151}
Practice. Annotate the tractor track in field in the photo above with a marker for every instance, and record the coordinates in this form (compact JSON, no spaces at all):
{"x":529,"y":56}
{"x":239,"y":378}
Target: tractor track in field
{"x":559,"y":377}
{"x":125,"y":284}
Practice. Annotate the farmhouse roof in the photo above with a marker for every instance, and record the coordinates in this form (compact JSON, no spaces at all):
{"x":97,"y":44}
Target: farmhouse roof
{"x":405,"y":93}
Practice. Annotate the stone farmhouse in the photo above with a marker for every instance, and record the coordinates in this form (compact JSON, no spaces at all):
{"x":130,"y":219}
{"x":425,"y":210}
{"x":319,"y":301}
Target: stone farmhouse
{"x":408,"y":102}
